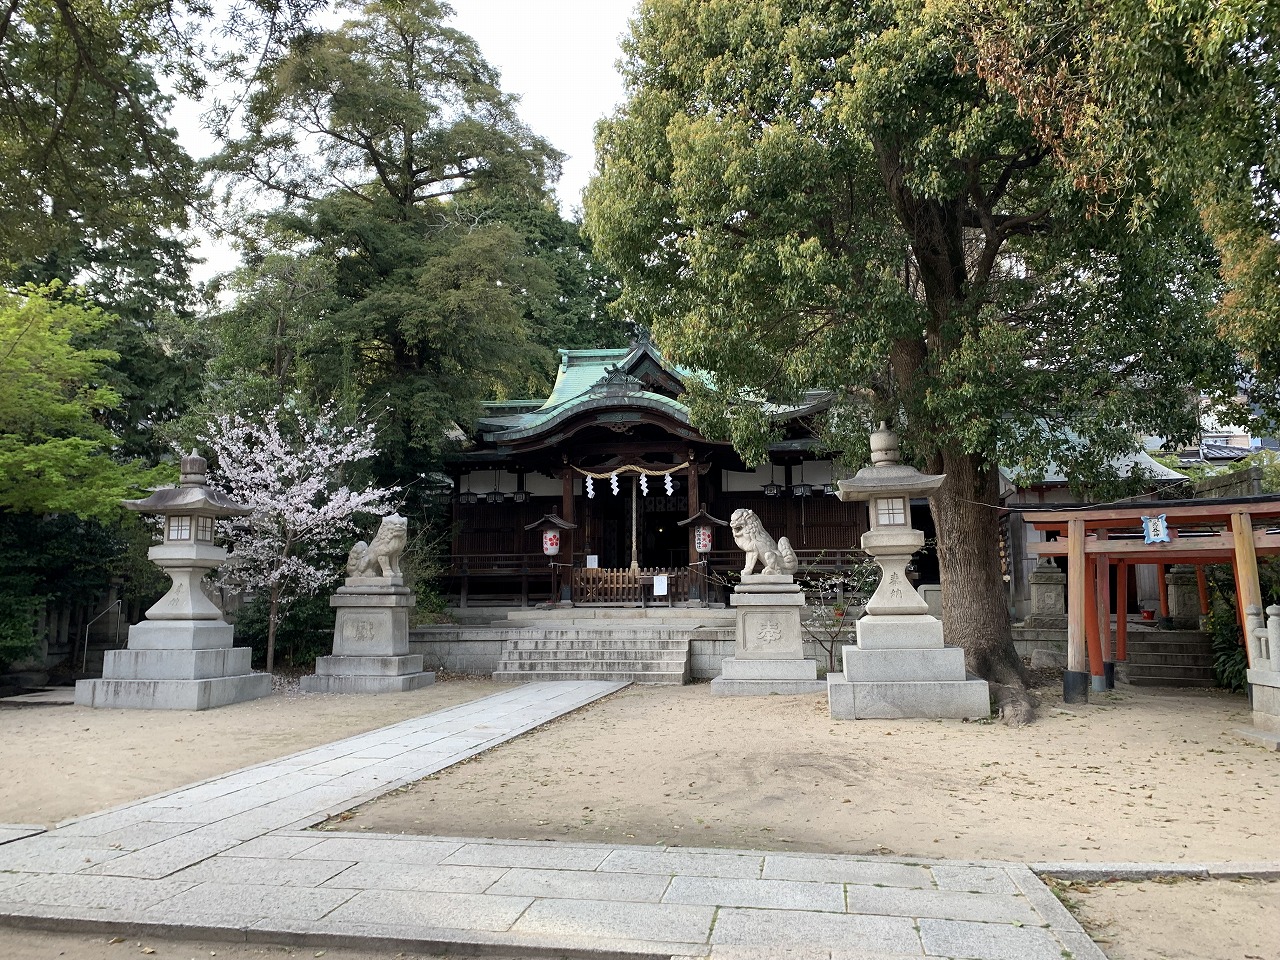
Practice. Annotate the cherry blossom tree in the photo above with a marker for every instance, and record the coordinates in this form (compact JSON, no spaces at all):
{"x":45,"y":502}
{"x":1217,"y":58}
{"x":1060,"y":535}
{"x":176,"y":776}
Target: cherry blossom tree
{"x":294,"y":470}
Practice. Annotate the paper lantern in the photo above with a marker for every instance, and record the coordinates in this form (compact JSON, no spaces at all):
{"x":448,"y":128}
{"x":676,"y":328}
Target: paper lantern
{"x":550,"y":542}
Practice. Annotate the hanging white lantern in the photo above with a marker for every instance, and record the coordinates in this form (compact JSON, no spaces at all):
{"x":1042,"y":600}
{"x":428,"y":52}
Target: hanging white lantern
{"x":550,"y":542}
{"x":644,"y":485}
{"x":591,"y":488}
{"x":702,"y":535}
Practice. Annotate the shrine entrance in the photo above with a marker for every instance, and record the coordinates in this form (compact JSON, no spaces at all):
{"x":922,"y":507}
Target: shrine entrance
{"x":1102,"y":545}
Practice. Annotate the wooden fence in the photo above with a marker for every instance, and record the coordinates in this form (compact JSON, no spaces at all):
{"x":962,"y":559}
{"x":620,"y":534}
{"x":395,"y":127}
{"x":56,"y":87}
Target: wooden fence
{"x":621,"y":586}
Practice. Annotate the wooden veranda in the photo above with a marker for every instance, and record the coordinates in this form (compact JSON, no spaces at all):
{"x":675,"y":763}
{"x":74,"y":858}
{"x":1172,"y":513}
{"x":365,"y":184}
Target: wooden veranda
{"x":1164,"y":532}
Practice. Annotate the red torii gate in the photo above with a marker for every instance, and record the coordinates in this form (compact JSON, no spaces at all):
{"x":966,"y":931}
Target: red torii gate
{"x":1093,"y":537}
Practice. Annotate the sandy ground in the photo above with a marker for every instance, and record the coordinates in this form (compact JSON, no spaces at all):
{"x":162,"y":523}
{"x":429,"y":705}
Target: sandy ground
{"x":65,"y":761}
{"x":1180,"y":919}
{"x":1134,"y":775}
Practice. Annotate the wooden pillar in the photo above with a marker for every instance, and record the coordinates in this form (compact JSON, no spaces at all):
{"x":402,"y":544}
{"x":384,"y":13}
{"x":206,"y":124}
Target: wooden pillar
{"x":1122,"y":610}
{"x":1203,"y":586}
{"x":1247,"y":586}
{"x":1102,"y":571}
{"x":1077,"y":657}
{"x":695,"y":504}
{"x":1164,"y":590}
{"x":564,"y":582}
{"x":1093,"y":628}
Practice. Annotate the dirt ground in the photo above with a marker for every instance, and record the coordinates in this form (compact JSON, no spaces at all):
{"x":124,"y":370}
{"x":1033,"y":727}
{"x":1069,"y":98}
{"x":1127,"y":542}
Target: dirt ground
{"x":66,"y":761}
{"x":1179,"y":919}
{"x":1134,"y":775}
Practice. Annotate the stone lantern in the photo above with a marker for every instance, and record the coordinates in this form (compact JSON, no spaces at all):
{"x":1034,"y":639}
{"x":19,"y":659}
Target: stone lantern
{"x":900,"y":667}
{"x":182,"y":656}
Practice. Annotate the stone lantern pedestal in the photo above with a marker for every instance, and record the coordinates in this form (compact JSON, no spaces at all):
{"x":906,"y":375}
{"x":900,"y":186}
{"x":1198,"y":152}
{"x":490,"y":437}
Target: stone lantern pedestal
{"x":181,"y":657}
{"x":900,"y":667}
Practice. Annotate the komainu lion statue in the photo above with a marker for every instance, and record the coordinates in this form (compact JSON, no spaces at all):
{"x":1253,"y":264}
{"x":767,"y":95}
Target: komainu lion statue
{"x":380,"y":557}
{"x":776,"y":557}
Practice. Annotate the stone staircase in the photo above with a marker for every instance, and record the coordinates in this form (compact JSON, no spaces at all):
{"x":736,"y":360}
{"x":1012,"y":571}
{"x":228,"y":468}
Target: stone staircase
{"x":640,"y":646}
{"x":1170,"y":658}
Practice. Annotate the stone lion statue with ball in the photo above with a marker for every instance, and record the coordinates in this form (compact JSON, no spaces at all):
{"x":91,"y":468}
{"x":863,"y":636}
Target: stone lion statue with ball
{"x":775,"y":556}
{"x":380,"y":557}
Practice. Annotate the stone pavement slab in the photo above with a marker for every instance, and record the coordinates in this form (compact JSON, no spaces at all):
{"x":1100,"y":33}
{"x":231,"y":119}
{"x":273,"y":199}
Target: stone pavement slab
{"x":232,"y":857}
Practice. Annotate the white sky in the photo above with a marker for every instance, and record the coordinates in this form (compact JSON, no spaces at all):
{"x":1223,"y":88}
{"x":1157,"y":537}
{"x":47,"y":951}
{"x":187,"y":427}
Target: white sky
{"x":558,"y":56}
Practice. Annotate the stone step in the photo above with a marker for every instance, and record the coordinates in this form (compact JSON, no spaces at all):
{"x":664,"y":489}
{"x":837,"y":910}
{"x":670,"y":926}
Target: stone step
{"x":621,"y":643}
{"x":600,"y":656}
{"x":595,"y":633}
{"x":1169,"y":671}
{"x":675,"y":677}
{"x":1146,"y":681}
{"x":583,"y":663}
{"x":1146,"y":658}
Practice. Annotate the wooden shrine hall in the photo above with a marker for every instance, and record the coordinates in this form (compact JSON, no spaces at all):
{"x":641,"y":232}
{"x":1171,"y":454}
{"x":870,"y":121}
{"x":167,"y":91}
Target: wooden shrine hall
{"x":607,"y":487}
{"x":1095,"y":540}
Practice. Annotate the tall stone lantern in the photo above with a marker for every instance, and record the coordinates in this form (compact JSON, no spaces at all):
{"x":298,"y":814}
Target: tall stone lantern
{"x":182,"y":656}
{"x":900,"y":666}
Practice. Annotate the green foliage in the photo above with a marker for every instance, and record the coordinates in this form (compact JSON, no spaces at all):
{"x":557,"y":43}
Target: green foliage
{"x":803,"y":194}
{"x":1143,"y":100}
{"x":54,"y":453}
{"x":1230,"y":661}
{"x":301,"y":636}
{"x":418,"y":263}
{"x":91,"y":178}
{"x":66,"y":560}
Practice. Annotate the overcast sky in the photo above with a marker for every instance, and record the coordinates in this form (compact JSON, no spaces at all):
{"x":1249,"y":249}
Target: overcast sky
{"x":558,"y":56}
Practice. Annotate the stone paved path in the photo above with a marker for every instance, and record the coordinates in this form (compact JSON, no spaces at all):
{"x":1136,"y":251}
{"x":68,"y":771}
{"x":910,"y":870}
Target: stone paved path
{"x":230,"y":857}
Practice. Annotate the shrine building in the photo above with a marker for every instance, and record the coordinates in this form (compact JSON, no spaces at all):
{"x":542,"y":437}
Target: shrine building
{"x":606,"y":488}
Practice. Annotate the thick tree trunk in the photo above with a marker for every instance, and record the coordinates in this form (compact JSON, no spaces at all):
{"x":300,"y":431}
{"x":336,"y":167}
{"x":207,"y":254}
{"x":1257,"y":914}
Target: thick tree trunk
{"x":974,"y":608}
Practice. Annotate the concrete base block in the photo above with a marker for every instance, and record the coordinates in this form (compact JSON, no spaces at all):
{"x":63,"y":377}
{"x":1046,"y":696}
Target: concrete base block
{"x":368,"y":666}
{"x":350,"y":684}
{"x":863,"y":666}
{"x":721,"y":687}
{"x":181,"y":635}
{"x":732,"y":668}
{"x":176,"y":664}
{"x":930,"y":700}
{"x":172,"y":694}
{"x":898,"y":632}
{"x":1263,"y":738}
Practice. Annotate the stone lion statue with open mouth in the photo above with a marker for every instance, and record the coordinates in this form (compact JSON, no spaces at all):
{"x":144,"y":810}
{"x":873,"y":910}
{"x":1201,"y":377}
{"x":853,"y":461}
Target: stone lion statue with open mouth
{"x":775,"y":556}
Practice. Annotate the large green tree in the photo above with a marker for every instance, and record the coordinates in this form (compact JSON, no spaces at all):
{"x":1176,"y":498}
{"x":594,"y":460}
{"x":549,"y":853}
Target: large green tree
{"x":407,"y":177}
{"x":1144,"y":99}
{"x":830,"y":194}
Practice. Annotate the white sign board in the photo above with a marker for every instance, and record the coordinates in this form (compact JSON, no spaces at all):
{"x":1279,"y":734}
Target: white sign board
{"x":659,"y":584}
{"x":593,"y":561}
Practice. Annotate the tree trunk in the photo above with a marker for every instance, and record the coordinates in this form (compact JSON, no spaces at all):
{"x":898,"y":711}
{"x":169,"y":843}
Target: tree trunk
{"x":272,"y":616}
{"x":975,"y":614}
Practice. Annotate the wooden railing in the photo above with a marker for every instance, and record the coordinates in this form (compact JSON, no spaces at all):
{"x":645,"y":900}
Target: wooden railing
{"x":604,"y":585}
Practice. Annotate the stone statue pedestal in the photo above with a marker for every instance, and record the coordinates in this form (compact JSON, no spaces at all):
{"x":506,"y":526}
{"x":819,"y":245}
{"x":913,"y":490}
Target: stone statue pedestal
{"x":370,"y":641}
{"x":769,"y":652}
